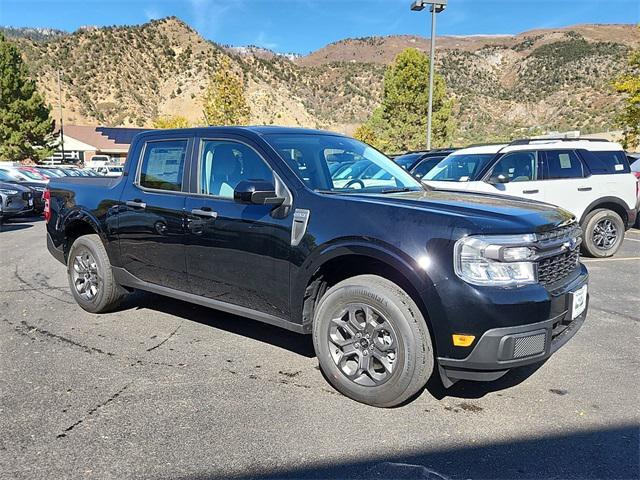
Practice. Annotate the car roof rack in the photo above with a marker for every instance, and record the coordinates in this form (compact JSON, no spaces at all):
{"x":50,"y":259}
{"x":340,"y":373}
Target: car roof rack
{"x":489,"y":144}
{"x":527,"y":141}
{"x":443,"y":149}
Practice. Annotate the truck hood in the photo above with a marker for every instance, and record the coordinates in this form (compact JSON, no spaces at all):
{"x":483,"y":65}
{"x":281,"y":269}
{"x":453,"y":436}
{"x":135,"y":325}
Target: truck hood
{"x":491,"y":213}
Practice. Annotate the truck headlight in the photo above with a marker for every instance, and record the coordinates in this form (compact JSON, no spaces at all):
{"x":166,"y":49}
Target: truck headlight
{"x":6,"y":191}
{"x":495,"y":260}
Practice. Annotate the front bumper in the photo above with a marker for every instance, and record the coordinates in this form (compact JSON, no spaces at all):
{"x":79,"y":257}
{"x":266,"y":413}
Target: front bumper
{"x":500,"y":349}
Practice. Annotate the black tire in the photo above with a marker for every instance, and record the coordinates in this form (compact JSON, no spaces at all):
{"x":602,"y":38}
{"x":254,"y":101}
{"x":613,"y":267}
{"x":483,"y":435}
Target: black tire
{"x":592,"y":244}
{"x":413,"y":357}
{"x":108,"y":293}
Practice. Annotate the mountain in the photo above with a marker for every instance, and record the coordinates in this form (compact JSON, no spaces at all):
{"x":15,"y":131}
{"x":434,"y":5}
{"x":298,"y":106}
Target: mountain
{"x":504,"y":85}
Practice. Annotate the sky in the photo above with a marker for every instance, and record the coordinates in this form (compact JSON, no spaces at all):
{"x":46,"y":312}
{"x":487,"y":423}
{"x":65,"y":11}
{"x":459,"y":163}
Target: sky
{"x":301,"y":26}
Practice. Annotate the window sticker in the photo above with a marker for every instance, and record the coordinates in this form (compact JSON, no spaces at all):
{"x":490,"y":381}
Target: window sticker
{"x":618,"y":167}
{"x":565,"y":160}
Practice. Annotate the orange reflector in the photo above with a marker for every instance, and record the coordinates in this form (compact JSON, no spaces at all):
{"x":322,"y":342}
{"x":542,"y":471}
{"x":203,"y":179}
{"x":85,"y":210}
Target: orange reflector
{"x":463,"y":340}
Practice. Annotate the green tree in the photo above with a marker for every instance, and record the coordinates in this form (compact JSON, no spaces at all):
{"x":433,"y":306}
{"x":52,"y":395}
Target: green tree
{"x":400,"y":123}
{"x":25,"y":124}
{"x":629,"y":85}
{"x":166,"y":121}
{"x":224,"y":102}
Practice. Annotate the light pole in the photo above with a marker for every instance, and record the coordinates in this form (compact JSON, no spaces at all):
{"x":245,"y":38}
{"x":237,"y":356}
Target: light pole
{"x":61,"y":125}
{"x":437,"y":6}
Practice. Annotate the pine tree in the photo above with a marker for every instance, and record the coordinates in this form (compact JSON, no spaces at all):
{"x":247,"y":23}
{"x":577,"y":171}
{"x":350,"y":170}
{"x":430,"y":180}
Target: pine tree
{"x":400,"y":123}
{"x":25,"y":124}
{"x":224,"y":102}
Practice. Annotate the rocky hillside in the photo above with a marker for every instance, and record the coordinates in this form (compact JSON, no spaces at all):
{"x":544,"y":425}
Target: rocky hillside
{"x":504,"y":85}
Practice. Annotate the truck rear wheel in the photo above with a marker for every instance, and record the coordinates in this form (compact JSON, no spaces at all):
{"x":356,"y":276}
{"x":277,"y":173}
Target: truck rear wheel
{"x":91,"y":277}
{"x":603,"y":233}
{"x":372,"y":341}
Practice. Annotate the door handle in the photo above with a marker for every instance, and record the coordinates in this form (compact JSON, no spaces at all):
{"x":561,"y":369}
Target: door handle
{"x":530,"y":191}
{"x":204,"y":213}
{"x":136,"y":204}
{"x":585,"y":189}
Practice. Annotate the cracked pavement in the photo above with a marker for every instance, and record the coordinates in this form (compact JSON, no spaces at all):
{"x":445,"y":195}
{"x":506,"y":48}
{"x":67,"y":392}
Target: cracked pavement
{"x":165,"y":389}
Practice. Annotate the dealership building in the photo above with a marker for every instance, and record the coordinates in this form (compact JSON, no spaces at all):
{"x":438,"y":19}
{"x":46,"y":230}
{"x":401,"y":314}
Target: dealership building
{"x":81,"y":143}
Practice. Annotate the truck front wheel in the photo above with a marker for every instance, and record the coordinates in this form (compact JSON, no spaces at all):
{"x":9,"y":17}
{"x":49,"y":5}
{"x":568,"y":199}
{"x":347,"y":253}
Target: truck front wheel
{"x":90,"y":276}
{"x":372,"y":341}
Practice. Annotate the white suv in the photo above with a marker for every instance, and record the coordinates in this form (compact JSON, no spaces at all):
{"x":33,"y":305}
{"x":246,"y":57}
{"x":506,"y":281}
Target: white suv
{"x":590,"y":178}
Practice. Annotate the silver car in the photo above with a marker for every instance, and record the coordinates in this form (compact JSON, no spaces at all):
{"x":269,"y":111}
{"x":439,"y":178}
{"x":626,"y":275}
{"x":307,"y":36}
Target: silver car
{"x":14,"y":200}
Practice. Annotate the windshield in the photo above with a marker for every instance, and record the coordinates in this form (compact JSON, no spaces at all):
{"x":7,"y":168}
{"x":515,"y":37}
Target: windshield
{"x":12,"y":175}
{"x":32,"y":175}
{"x":459,"y":168}
{"x":331,"y":163}
{"x":407,"y":161}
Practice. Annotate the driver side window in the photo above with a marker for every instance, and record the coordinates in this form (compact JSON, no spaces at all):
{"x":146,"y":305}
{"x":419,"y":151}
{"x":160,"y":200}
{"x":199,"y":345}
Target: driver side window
{"x":519,"y":167}
{"x":224,"y":164}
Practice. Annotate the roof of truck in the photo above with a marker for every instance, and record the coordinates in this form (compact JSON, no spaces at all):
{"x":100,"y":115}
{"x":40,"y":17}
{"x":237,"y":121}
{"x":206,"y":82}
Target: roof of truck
{"x":255,"y":129}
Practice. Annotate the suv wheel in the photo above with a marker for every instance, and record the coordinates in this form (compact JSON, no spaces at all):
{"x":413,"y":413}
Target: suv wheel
{"x":90,"y":276}
{"x":372,"y":341}
{"x":603,"y":233}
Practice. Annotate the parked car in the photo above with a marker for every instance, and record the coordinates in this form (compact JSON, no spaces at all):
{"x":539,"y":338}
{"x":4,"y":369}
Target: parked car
{"x":590,"y":178}
{"x":419,"y":163}
{"x":393,"y":282}
{"x":98,"y":161}
{"x":32,"y":173}
{"x":110,"y":170}
{"x":14,"y":176}
{"x":15,"y":200}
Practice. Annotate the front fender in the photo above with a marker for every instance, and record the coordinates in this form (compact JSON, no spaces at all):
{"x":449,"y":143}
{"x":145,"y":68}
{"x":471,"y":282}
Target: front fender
{"x":402,"y":263}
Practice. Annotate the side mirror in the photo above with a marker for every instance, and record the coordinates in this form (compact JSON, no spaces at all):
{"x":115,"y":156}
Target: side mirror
{"x":256,"y":192}
{"x":498,"y":179}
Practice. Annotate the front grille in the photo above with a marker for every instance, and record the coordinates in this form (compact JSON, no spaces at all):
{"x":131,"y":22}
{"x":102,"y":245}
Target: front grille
{"x":554,"y":269}
{"x":530,"y":345}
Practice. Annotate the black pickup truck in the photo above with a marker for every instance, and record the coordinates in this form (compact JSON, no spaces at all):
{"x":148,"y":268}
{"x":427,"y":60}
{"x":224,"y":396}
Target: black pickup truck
{"x":394,"y":282}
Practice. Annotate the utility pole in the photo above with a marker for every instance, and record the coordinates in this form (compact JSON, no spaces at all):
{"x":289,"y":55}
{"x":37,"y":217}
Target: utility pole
{"x":61,"y":124}
{"x":437,"y":6}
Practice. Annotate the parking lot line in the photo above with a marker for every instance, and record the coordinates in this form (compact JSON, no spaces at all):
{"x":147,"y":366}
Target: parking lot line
{"x":586,"y":260}
{"x":633,"y":239}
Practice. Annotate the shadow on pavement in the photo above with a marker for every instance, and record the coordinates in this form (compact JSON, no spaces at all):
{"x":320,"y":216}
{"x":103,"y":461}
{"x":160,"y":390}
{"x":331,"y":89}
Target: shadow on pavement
{"x":601,"y":453}
{"x":303,"y":344}
{"x":19,"y":223}
{"x":262,"y":332}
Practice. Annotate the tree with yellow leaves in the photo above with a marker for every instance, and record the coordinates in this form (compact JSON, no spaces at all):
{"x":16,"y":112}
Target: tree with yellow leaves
{"x":224,"y":101}
{"x":166,"y":121}
{"x":629,"y":118}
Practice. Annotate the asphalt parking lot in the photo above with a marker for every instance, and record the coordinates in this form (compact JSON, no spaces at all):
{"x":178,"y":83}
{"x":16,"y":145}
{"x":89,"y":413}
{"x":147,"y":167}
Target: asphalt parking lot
{"x":163,"y":389}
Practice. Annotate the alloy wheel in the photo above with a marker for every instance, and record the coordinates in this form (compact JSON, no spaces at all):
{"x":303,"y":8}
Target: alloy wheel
{"x":86,"y":279}
{"x":363,"y":345}
{"x":605,"y":234}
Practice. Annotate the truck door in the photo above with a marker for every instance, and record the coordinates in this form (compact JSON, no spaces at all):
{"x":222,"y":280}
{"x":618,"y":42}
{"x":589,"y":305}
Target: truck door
{"x":151,"y":216}
{"x":523,"y":169}
{"x":236,"y":253}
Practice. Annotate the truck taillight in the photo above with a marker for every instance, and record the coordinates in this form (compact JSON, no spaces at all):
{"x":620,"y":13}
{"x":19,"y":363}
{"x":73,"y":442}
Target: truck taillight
{"x":47,"y":205}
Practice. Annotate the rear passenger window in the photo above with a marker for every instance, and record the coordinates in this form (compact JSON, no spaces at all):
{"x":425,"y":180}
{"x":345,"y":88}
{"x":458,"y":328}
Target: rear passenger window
{"x":163,"y":165}
{"x":563,"y":164}
{"x":606,"y":162}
